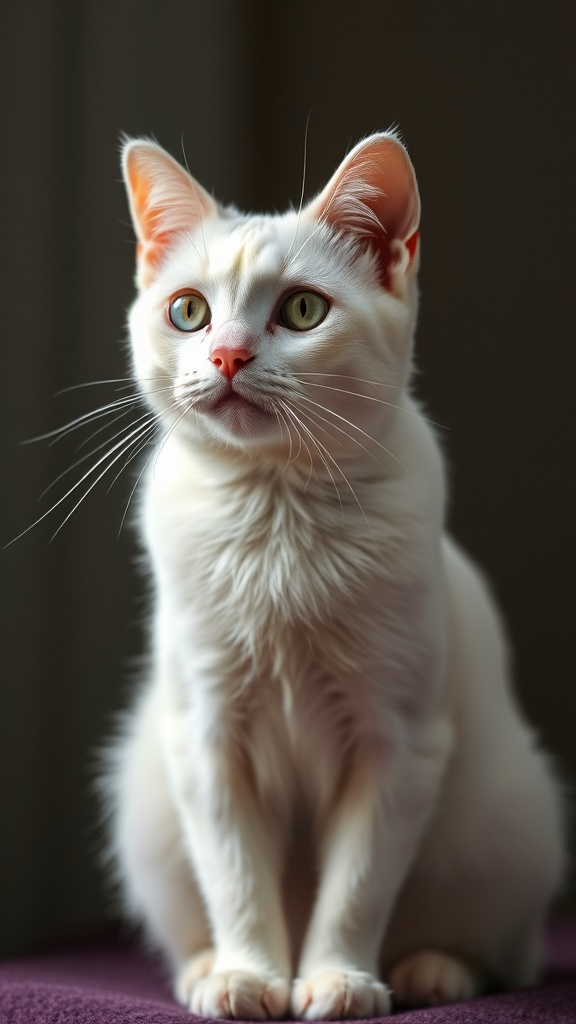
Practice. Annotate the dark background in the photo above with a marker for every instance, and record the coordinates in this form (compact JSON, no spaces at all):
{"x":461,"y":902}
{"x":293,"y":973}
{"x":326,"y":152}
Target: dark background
{"x":484,"y":95}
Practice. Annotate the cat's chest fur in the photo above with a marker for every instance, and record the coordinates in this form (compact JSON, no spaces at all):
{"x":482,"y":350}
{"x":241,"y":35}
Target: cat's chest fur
{"x":285,"y":607}
{"x":266,"y":545}
{"x":262,"y":576}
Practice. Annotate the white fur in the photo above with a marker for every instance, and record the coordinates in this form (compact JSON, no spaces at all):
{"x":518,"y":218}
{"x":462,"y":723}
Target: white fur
{"x":326,"y":777}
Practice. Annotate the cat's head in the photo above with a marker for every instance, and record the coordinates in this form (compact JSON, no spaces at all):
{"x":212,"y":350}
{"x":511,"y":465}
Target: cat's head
{"x":278,"y":333}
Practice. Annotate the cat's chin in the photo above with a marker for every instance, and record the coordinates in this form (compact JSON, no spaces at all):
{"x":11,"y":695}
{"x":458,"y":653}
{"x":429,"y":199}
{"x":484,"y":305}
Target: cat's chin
{"x":238,"y":420}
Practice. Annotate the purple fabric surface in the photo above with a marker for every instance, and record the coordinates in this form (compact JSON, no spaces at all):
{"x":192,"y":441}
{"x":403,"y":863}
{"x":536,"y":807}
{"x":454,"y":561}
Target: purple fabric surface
{"x":109,"y":982}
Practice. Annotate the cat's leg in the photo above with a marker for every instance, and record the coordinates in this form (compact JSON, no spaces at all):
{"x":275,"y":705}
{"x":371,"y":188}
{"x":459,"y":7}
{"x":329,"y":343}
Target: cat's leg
{"x":471,"y":914}
{"x":157,"y":877}
{"x":237,"y":854}
{"x":369,"y":845}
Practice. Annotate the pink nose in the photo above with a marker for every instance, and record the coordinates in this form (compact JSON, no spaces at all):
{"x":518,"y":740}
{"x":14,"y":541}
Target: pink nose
{"x":230,"y":360}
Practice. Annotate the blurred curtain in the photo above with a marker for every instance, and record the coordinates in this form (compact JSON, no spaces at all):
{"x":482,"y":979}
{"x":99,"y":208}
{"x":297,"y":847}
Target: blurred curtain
{"x":76,"y":75}
{"x":484,"y":94}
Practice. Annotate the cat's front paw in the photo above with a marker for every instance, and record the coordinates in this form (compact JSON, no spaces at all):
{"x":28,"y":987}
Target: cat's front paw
{"x":339,"y":995}
{"x":238,"y":995}
{"x":189,"y":975}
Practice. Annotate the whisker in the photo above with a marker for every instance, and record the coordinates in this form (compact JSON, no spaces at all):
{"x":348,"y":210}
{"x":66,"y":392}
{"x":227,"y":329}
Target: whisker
{"x":320,"y":449}
{"x":193,"y":244}
{"x":93,"y":484}
{"x":349,"y":485}
{"x":138,"y":479}
{"x":124,"y":430}
{"x":163,"y":440}
{"x":198,"y":203}
{"x":300,"y":205}
{"x":93,"y":384}
{"x":368,"y":398}
{"x":318,"y":228}
{"x":347,"y":376}
{"x":346,"y":434}
{"x":295,"y":420}
{"x":126,"y":403}
{"x":125,"y":441}
{"x":358,"y":394}
{"x":155,"y":451}
{"x":105,"y":426}
{"x":86,"y":417}
{"x":126,"y":381}
{"x":283,"y":423}
{"x":302,"y":443}
{"x":134,"y":455}
{"x":361,"y":431}
{"x":141,"y":444}
{"x":315,"y":416}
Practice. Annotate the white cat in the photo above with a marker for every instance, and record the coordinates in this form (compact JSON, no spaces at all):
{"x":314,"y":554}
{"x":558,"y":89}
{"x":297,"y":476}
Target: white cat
{"x":326,"y":790}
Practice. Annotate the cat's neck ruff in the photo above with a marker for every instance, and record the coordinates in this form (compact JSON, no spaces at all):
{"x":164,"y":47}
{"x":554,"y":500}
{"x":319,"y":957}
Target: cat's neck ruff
{"x":298,"y":472}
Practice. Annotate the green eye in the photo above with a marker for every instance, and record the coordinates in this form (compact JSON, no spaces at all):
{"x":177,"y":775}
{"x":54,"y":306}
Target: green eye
{"x":303,"y":310}
{"x":189,"y":312}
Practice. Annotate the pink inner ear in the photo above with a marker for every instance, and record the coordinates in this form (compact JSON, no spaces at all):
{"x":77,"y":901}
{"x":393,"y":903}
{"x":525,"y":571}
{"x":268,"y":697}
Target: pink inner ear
{"x":139,"y":191}
{"x":146,"y":215}
{"x":151,"y":253}
{"x":374,"y":196}
{"x":412,"y":244}
{"x":164,"y":199}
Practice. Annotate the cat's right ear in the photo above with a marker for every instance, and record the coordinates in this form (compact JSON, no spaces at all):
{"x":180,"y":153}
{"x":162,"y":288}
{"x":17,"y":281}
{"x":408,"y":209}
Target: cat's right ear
{"x":164,"y":200}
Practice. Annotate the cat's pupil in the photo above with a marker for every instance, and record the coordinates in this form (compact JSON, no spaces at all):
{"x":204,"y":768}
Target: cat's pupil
{"x":189,"y":310}
{"x":303,"y":308}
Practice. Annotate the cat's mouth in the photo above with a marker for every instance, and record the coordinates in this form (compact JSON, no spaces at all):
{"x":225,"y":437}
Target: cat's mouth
{"x":235,"y":410}
{"x":233,"y":401}
{"x":237,"y":413}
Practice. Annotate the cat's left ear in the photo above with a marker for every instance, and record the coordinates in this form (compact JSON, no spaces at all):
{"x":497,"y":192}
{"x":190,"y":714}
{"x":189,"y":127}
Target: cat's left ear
{"x":373,"y":196}
{"x":164,"y":200}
